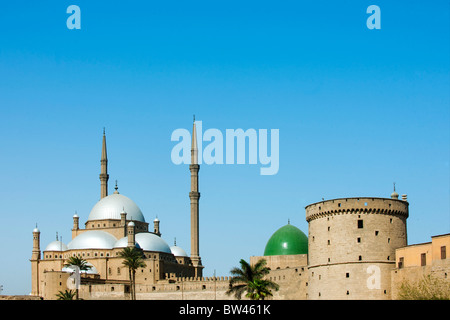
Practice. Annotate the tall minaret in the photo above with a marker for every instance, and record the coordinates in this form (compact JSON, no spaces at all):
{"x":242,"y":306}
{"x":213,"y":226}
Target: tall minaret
{"x":194,"y":195}
{"x":104,"y":176}
{"x":35,"y":259}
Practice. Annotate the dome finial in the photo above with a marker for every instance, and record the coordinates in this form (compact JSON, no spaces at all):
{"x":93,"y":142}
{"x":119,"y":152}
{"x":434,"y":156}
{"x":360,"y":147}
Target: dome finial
{"x":394,"y":195}
{"x":289,"y":221}
{"x":175,"y":241}
{"x":116,"y":188}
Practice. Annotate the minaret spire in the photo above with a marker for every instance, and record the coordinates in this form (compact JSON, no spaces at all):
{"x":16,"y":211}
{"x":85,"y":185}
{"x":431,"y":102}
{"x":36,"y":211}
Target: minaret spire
{"x":194,"y":196}
{"x":104,"y":176}
{"x":194,"y":149}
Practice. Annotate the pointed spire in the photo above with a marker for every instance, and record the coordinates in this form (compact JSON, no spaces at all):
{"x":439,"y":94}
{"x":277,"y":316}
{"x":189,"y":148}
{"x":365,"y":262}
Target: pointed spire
{"x":194,"y":150}
{"x":104,"y":153}
{"x":104,"y":177}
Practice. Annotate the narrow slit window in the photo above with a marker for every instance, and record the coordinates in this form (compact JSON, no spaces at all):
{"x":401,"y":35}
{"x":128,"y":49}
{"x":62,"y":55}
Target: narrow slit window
{"x":360,"y":224}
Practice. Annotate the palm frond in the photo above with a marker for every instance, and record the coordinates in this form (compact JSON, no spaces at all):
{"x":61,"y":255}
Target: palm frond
{"x":249,"y":279}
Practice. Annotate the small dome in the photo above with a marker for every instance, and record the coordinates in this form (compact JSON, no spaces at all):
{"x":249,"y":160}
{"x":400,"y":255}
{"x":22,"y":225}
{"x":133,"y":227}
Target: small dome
{"x":394,"y":195}
{"x":287,"y":240}
{"x":94,"y":239}
{"x":131,"y":224}
{"x":111,"y":206}
{"x":71,"y":269}
{"x":36,"y":230}
{"x":178,"y":252}
{"x":151,"y":242}
{"x":56,"y":246}
{"x":123,"y":243}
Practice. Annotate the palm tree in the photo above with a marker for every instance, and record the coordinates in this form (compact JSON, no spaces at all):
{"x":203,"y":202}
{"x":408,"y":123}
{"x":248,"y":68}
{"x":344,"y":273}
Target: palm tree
{"x":82,"y":266}
{"x":133,"y":259}
{"x":249,"y":279}
{"x":66,"y":295}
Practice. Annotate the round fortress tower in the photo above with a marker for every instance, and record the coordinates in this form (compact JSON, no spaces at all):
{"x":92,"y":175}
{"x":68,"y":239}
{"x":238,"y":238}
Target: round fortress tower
{"x":352,"y":244}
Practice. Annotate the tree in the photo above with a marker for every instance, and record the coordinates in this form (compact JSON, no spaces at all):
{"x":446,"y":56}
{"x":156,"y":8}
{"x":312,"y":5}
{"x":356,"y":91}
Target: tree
{"x":66,"y":295}
{"x":250,"y":279}
{"x":427,"y":288}
{"x":82,"y":266}
{"x":77,"y":261}
{"x":133,"y":259}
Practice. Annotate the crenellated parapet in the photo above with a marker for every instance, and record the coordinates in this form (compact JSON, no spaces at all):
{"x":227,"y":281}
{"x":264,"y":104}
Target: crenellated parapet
{"x":361,"y":205}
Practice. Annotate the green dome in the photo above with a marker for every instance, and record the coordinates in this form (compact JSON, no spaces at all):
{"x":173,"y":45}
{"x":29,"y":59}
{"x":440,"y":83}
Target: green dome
{"x":287,"y":240}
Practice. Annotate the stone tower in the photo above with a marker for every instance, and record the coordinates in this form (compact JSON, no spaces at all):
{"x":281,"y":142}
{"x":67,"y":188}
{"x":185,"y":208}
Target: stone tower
{"x":194,"y":196}
{"x":156,"y":227}
{"x":35,"y":258}
{"x":131,"y":234}
{"x":104,"y":176}
{"x":76,"y":225}
{"x":352,"y":244}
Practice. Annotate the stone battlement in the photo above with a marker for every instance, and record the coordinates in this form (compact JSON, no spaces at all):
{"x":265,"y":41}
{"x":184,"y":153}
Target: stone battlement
{"x":358,"y":206}
{"x":172,"y":276}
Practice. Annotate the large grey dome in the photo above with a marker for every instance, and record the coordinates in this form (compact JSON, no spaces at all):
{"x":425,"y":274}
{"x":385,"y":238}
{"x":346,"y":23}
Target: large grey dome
{"x":94,"y":239}
{"x":111,"y":206}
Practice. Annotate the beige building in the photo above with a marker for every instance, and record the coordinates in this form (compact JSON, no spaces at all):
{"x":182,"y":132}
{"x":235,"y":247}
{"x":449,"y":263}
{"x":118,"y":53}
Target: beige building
{"x":356,"y":248}
{"x":413,"y":262}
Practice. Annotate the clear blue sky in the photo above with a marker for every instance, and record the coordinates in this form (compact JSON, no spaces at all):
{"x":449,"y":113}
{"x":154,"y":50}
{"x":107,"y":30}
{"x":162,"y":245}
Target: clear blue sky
{"x":357,"y":110}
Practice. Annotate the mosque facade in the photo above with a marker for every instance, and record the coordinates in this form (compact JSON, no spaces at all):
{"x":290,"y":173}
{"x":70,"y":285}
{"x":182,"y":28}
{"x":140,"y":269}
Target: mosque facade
{"x":356,"y":248}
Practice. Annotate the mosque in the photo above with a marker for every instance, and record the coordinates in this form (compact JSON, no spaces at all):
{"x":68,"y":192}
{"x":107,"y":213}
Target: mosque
{"x":356,"y":248}
{"x":114,"y":223}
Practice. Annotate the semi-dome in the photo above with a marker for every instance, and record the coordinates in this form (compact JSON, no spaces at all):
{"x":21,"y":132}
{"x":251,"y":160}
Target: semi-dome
{"x":286,"y":241}
{"x":178,"y":252}
{"x":94,"y":239}
{"x":56,"y":246}
{"x":151,"y":242}
{"x":70,"y":269}
{"x":111,"y":206}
